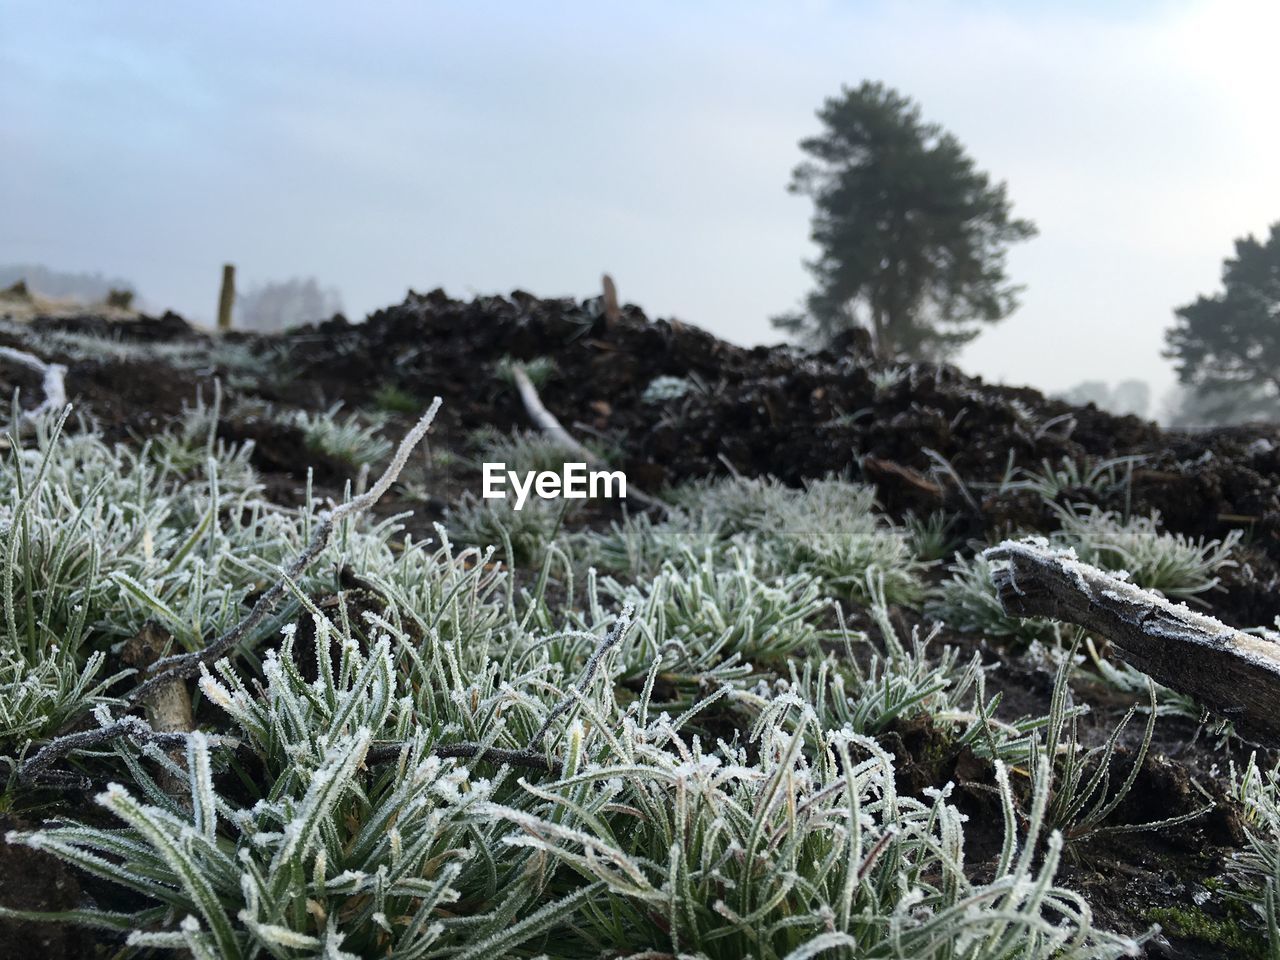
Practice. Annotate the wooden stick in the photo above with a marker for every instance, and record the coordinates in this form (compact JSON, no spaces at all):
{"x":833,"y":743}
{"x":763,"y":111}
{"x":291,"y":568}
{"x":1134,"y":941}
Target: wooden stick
{"x":188,"y":664}
{"x":1232,"y":673}
{"x":546,"y":421}
{"x":612,"y":312}
{"x":168,"y":706}
{"x":54,"y":379}
{"x":226,"y":296}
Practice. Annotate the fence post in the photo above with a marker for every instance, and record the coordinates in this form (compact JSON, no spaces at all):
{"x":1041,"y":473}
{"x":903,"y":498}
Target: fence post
{"x":612,"y":313}
{"x":227,"y":298}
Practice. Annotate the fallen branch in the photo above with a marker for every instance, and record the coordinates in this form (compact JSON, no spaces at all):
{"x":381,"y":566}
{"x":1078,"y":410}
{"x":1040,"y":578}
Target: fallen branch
{"x":188,"y":664}
{"x":1234,"y":674}
{"x":883,"y":472}
{"x":35,"y":769}
{"x":546,"y":421}
{"x":54,"y":379}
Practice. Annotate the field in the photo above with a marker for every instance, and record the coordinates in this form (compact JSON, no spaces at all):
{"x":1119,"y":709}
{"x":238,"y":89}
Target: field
{"x":769,"y":706}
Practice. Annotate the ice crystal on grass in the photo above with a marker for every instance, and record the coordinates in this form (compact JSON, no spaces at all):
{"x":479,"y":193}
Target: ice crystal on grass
{"x":797,"y":845}
{"x":931,"y":537}
{"x":1257,"y":869}
{"x":1075,"y":478}
{"x":520,"y":536}
{"x":698,"y":614}
{"x":332,"y":849}
{"x":967,"y":601}
{"x":250,"y":363}
{"x":421,"y":754}
{"x":662,"y":389}
{"x":1078,"y":780}
{"x":828,"y":529}
{"x":792,"y":855}
{"x":523,"y":451}
{"x":896,"y":683}
{"x":41,"y":696}
{"x":636,"y":547}
{"x":101,"y":538}
{"x":1176,"y":565}
{"x":354,"y":438}
{"x":192,"y":441}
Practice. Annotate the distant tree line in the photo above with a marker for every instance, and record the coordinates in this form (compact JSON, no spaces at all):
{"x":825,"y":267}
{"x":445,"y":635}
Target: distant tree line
{"x":1124,"y":398}
{"x":279,"y":305}
{"x":87,"y":288}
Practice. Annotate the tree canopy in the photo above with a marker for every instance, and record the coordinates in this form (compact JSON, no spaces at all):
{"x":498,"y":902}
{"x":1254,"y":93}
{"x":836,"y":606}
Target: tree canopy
{"x":912,"y":236}
{"x":1229,"y":343}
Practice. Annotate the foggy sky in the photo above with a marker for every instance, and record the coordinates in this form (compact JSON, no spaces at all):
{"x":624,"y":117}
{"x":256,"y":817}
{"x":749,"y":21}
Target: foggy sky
{"x":488,"y":146}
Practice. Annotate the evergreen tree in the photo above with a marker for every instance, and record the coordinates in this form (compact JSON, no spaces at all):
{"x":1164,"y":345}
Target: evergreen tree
{"x":912,"y":236}
{"x":1228,"y":344}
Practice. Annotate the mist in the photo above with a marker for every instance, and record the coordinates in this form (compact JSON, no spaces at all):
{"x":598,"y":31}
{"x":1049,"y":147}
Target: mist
{"x":496,"y":147}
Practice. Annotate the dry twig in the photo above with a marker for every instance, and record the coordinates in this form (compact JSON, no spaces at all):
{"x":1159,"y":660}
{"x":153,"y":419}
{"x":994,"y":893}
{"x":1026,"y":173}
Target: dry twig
{"x":188,"y":664}
{"x":54,"y":379}
{"x":36,"y":768}
{"x":546,"y":422}
{"x":1232,"y":673}
{"x":172,"y":670}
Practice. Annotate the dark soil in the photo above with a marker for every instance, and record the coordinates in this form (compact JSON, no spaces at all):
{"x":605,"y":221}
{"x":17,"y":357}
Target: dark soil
{"x":796,"y":415}
{"x":32,"y":880}
{"x":777,"y":411}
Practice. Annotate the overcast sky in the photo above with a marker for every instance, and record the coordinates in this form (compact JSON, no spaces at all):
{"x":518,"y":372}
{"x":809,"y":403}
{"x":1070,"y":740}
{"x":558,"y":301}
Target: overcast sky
{"x":487,"y":146}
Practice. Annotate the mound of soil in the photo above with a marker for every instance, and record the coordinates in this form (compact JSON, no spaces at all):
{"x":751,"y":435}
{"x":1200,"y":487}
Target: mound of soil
{"x":797,"y":415}
{"x":928,"y":436}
